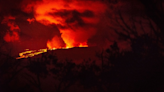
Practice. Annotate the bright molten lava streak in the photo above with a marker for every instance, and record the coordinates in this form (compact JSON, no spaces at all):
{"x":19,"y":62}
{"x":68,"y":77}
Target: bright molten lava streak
{"x":31,"y":53}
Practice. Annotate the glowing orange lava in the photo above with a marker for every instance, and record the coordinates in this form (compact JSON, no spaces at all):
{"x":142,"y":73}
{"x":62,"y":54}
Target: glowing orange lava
{"x":30,"y":53}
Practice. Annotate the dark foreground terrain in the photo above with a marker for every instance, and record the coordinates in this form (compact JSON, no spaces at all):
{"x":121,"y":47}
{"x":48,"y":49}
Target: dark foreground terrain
{"x":138,"y":70}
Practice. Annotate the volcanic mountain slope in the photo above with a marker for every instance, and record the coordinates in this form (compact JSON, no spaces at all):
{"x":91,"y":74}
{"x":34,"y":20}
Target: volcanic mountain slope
{"x":77,"y":54}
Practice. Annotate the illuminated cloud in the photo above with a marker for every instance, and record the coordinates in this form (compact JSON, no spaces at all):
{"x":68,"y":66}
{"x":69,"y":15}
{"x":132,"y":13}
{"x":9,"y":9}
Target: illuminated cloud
{"x":76,"y":20}
{"x":12,"y":34}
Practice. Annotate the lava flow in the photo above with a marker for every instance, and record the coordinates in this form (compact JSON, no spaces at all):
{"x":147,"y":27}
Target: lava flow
{"x":31,"y":53}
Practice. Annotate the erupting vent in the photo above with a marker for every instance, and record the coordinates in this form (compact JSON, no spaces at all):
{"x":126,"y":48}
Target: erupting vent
{"x":75,"y":20}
